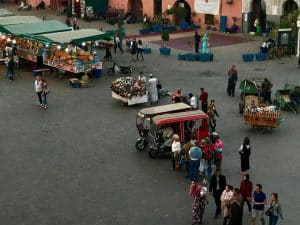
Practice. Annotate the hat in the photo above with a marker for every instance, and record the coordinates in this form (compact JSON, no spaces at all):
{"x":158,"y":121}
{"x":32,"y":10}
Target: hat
{"x":151,"y":75}
{"x":190,"y":95}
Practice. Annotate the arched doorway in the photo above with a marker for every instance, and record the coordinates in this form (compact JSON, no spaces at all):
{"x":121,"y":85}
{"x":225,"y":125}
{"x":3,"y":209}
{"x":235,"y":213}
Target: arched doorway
{"x":183,"y":4}
{"x":289,"y":6}
{"x":136,"y":8}
{"x":258,"y":12}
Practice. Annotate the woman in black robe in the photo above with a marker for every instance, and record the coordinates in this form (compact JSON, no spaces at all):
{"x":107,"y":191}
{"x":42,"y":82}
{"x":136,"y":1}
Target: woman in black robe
{"x":245,"y":152}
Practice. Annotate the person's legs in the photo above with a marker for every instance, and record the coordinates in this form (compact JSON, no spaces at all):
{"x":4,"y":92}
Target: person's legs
{"x":253,"y":217}
{"x":39,"y":94}
{"x":232,"y":89}
{"x":142,"y":54}
{"x":45,"y":103}
{"x":204,"y":107}
{"x":249,"y":205}
{"x":173,"y":161}
{"x":218,"y":204}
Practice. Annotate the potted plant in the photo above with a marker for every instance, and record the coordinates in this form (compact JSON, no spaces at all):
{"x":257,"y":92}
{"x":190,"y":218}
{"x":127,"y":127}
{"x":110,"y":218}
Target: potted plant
{"x":249,"y":57}
{"x":165,"y":36}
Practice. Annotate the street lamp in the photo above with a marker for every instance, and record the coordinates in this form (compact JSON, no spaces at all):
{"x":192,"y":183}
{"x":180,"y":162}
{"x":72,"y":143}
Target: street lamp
{"x":298,"y":47}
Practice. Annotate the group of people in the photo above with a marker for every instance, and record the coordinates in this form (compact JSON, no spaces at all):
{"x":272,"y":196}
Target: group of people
{"x":204,"y":43}
{"x":42,"y":90}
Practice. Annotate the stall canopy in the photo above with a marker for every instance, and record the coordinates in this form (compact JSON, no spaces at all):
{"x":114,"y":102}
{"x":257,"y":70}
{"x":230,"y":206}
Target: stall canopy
{"x":44,"y":27}
{"x":5,"y":12}
{"x":76,"y":37}
{"x":10,"y":20}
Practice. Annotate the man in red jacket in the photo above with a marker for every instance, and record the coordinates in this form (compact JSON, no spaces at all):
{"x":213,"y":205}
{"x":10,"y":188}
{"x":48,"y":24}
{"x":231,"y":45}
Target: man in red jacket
{"x":246,"y":192}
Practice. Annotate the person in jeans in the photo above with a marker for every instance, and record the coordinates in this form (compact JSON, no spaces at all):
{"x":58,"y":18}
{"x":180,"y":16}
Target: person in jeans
{"x":45,"y":92}
{"x":195,"y":154}
{"x":140,"y":50}
{"x":38,"y":89}
{"x":259,"y":201}
{"x":276,"y":212}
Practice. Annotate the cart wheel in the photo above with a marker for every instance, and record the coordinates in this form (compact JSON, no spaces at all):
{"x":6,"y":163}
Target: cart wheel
{"x":153,"y":153}
{"x":140,"y":145}
{"x":241,"y":108}
{"x":260,"y":129}
{"x":242,"y":95}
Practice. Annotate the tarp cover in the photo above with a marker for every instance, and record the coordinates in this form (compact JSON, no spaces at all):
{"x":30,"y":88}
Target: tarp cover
{"x":5,"y":12}
{"x":77,"y":36}
{"x":44,"y":27}
{"x":9,"y":20}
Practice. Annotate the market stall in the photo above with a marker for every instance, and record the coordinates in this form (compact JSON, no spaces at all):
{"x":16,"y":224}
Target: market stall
{"x":65,"y":53}
{"x":129,"y":90}
{"x":21,"y":34}
{"x":10,"y":20}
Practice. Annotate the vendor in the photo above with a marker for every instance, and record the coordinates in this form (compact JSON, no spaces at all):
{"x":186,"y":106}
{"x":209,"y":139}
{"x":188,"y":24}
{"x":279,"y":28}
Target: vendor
{"x":177,"y":96}
{"x":266,"y":91}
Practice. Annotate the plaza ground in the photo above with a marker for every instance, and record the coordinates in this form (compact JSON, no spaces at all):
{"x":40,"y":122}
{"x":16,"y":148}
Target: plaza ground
{"x":75,"y":163}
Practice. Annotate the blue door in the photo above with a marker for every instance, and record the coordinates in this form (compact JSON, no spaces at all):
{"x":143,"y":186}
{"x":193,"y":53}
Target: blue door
{"x":223,"y":23}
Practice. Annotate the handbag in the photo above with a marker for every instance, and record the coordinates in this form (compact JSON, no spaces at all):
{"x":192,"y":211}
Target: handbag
{"x":269,"y":211}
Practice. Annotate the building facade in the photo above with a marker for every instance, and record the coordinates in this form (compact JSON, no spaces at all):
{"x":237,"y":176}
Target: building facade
{"x":213,"y":12}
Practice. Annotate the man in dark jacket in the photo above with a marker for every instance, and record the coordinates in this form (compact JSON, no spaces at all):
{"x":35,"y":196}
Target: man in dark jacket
{"x":232,"y":79}
{"x":197,"y":41}
{"x":216,"y":187}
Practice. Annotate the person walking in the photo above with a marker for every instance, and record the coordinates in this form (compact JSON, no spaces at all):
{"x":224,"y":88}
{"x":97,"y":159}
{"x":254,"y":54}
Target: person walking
{"x":140,"y":50}
{"x":119,"y":43}
{"x":266,"y":87}
{"x":185,"y":152}
{"x":275,"y":209}
{"x":259,"y":201}
{"x":198,"y":193}
{"x":10,"y":68}
{"x":235,"y":212}
{"x":38,"y":89}
{"x":232,"y":79}
{"x":203,"y":97}
{"x":176,"y":149}
{"x":212,"y":113}
{"x":208,"y":152}
{"x":226,"y":197}
{"x":195,"y":154}
{"x":218,"y":150}
{"x":245,"y":152}
{"x":153,"y":94}
{"x":216,"y":187}
{"x":197,"y":38}
{"x":45,"y":92}
{"x":246,"y":188}
{"x":133,"y":48}
{"x":108,"y":55}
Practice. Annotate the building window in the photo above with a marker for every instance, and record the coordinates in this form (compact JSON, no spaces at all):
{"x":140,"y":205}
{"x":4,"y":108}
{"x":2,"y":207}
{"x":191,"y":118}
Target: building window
{"x":209,"y":19}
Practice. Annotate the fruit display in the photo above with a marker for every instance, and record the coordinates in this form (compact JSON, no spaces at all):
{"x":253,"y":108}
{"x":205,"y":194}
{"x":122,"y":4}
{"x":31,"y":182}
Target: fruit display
{"x":69,"y":55}
{"x":128,"y":87}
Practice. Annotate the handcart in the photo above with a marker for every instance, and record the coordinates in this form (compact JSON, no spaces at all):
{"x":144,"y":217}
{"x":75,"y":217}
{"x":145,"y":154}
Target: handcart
{"x":133,"y":100}
{"x":260,"y":116}
{"x":288,"y":98}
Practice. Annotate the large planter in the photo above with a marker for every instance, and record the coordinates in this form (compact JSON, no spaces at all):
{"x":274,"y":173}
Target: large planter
{"x":261,"y":56}
{"x":181,"y":56}
{"x":248,"y":57}
{"x":190,"y":57}
{"x":206,"y":57}
{"x":165,"y":51}
{"x":144,"y":31}
{"x":147,"y":50}
{"x":156,"y":28}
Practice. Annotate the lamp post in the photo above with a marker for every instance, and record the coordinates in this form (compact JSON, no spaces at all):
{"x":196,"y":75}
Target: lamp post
{"x":298,"y":46}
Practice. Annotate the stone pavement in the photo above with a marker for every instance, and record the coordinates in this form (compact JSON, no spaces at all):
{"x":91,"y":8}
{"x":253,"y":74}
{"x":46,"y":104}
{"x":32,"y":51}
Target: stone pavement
{"x":76,"y":164}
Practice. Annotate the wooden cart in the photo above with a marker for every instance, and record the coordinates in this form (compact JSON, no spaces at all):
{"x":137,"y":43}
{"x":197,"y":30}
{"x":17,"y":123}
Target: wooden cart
{"x":262,"y":120}
{"x":133,"y":100}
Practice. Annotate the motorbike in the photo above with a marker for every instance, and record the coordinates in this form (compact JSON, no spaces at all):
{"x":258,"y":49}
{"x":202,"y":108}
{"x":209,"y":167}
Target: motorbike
{"x":115,"y":69}
{"x":24,"y":7}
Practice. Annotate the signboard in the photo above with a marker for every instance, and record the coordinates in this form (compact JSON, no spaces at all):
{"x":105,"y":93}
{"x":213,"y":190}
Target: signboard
{"x":207,"y":6}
